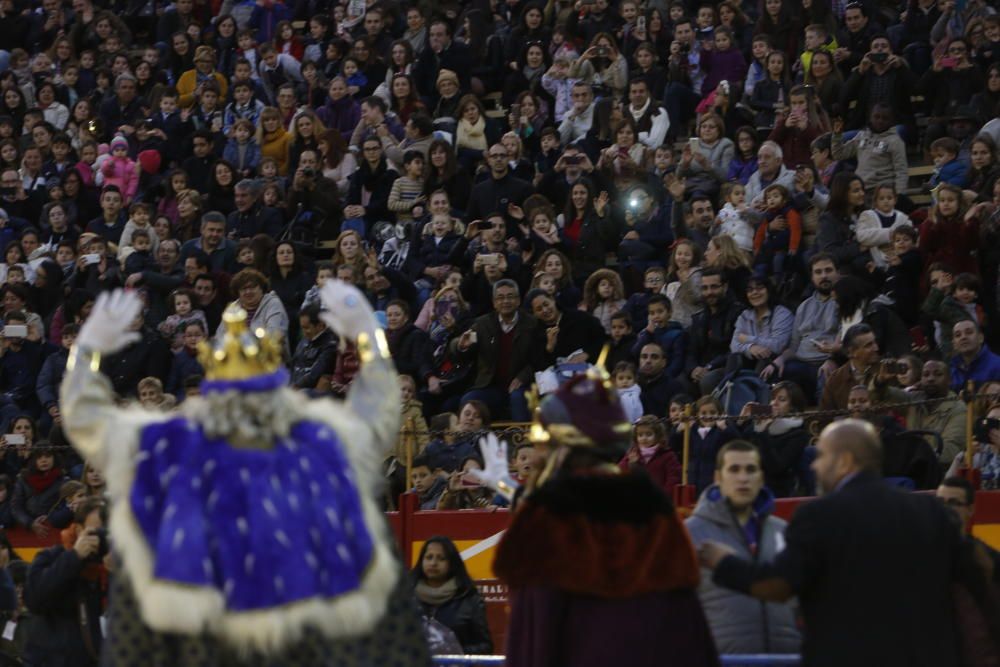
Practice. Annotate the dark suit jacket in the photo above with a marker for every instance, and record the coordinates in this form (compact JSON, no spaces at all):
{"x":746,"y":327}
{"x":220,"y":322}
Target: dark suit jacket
{"x":526,"y":352}
{"x":873,"y":568}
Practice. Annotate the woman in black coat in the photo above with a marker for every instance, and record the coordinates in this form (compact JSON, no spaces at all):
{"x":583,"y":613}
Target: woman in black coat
{"x":375,"y":178}
{"x":781,"y":440}
{"x":447,"y":594}
{"x":836,"y":235}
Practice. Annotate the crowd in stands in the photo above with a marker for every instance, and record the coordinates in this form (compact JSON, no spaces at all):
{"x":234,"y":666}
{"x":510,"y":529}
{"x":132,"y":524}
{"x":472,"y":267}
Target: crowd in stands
{"x":717,"y":192}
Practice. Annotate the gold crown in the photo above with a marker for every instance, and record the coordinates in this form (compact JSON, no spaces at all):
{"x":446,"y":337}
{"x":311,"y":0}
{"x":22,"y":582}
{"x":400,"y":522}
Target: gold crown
{"x":240,"y":353}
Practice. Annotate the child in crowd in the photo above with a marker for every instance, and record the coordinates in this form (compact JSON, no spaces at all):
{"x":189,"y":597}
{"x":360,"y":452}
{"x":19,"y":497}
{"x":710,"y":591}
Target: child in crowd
{"x":356,"y":79}
{"x":559,"y":84}
{"x":603,"y":296}
{"x":816,"y":37}
{"x":324,"y":271}
{"x":952,"y":299}
{"x":526,"y":461}
{"x":181,"y":305}
{"x":412,"y":425}
{"x":140,"y":214}
{"x":906,"y":266}
{"x":675,"y":412}
{"x":246,"y":41}
{"x":880,"y":151}
{"x":268,"y":171}
{"x":775,"y":250}
{"x":651,"y":452}
{"x":426,"y":484}
{"x":670,"y":335}
{"x":721,"y":60}
{"x":152,"y":397}
{"x":407,"y":190}
{"x":948,"y":168}
{"x":622,"y":339}
{"x":140,"y":258}
{"x":121,"y":170}
{"x":242,"y":150}
{"x":87,"y":168}
{"x":708,"y":435}
{"x":744,"y":162}
{"x":71,"y":494}
{"x":628,"y":391}
{"x":654,"y":278}
{"x":243,"y":107}
{"x":875,"y":225}
{"x":731,"y":220}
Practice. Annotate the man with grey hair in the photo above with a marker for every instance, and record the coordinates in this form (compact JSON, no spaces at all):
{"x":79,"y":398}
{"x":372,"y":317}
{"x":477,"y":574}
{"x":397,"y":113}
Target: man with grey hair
{"x":251,"y":217}
{"x":120,"y":112}
{"x":507,"y":345}
{"x":853,"y":557}
{"x":770,"y":171}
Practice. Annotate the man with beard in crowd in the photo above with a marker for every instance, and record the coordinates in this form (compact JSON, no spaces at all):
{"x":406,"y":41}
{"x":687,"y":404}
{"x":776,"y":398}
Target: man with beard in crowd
{"x":806,"y":361}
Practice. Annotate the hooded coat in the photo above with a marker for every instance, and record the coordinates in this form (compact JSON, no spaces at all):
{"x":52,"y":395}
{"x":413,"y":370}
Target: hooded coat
{"x":740,"y":623}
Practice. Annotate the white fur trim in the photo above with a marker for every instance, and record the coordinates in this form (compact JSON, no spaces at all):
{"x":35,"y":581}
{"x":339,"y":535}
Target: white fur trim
{"x":170,"y":607}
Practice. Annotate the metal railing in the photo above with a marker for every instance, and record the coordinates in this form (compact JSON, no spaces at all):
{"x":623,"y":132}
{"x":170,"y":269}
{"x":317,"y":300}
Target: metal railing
{"x":754,"y":660}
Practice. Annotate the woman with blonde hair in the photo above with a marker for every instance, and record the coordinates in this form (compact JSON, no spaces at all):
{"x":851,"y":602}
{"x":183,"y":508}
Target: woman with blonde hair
{"x":306,"y":131}
{"x":603,"y":296}
{"x":273,"y":139}
{"x":520,"y":166}
{"x":683,"y":285}
{"x":722,"y":253}
{"x":189,"y":209}
{"x":349,"y":250}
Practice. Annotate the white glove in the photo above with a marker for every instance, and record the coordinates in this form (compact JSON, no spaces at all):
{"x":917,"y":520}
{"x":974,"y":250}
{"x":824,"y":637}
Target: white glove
{"x":346,"y":310}
{"x":495,"y":466}
{"x":107,"y":328}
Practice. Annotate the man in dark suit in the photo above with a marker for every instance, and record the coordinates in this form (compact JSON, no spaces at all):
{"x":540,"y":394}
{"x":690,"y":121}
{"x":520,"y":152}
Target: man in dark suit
{"x":872,"y":566}
{"x":508,"y":345}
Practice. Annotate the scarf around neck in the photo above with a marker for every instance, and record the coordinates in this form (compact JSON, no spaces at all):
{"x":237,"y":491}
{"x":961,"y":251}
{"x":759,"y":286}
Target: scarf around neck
{"x":472,"y":136}
{"x":39,"y":481}
{"x":436,"y":596}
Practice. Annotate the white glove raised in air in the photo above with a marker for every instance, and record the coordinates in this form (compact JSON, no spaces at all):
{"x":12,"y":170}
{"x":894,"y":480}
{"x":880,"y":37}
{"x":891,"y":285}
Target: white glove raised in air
{"x":496,"y":469}
{"x":346,"y":310}
{"x":107,"y":329}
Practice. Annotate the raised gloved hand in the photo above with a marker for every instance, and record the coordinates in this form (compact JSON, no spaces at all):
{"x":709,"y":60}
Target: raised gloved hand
{"x":496,"y":469}
{"x":346,"y":310}
{"x":107,"y":328}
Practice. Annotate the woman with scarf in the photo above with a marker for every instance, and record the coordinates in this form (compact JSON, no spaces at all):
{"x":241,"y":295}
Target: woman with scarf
{"x":531,"y":64}
{"x":340,"y":112}
{"x":36,"y":490}
{"x":474,"y":135}
{"x":448,"y":596}
{"x":985,"y":168}
{"x":368,"y":192}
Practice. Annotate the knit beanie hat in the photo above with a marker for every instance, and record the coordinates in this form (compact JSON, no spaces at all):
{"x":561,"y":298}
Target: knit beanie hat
{"x":118,"y":142}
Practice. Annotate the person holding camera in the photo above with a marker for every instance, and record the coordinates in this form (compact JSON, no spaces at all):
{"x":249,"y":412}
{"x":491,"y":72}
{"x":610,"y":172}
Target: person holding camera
{"x":65,"y":590}
{"x":880,"y":77}
{"x":314,"y":194}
